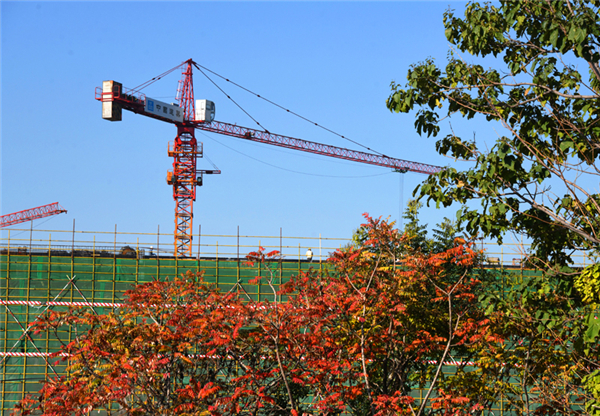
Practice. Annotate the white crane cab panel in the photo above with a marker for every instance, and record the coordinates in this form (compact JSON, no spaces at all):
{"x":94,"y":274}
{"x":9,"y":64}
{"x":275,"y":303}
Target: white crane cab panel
{"x":205,"y":111}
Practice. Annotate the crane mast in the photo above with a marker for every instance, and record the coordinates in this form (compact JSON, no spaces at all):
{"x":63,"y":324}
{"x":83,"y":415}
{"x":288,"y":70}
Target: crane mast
{"x":184,"y":175}
{"x":185,"y":150}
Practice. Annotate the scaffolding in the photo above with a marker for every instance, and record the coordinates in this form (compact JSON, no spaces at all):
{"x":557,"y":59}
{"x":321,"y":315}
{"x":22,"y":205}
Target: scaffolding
{"x":43,"y":270}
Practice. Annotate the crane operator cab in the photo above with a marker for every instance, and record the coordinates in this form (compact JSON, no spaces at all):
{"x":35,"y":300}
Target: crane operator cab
{"x":205,"y":111}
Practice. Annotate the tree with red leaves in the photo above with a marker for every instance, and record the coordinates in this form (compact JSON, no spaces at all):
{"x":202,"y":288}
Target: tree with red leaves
{"x":360,"y":338}
{"x":379,"y":326}
{"x":160,"y":353}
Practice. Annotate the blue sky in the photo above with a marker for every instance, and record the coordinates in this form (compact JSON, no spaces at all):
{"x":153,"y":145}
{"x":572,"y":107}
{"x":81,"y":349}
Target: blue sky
{"x":331,"y":62}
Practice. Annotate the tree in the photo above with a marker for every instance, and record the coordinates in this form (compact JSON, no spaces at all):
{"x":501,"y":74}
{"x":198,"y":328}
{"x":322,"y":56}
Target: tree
{"x":176,"y":347}
{"x":383,"y":322}
{"x":414,"y":230}
{"x":548,"y":108}
{"x":539,"y":179}
{"x":358,"y":339}
{"x":415,"y":233}
{"x":548,"y":360}
{"x":376,"y":327}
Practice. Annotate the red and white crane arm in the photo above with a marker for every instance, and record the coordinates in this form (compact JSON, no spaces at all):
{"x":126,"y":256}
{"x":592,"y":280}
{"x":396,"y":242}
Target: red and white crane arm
{"x":134,"y":102}
{"x":317,"y":148}
{"x":31,"y":214}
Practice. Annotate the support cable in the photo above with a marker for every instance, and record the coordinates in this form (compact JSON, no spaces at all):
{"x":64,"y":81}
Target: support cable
{"x":232,"y":100}
{"x":156,"y":78}
{"x":290,"y":170}
{"x":281,"y":107}
{"x":33,"y":226}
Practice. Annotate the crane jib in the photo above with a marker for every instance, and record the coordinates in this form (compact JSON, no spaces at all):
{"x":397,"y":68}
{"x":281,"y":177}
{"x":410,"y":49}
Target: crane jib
{"x":31,"y":214}
{"x":140,"y":104}
{"x":316,"y":148}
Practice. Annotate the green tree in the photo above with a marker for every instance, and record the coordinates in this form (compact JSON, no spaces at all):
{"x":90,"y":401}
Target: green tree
{"x":545,"y":95}
{"x":549,"y":356}
{"x":415,"y":232}
{"x":539,"y":179}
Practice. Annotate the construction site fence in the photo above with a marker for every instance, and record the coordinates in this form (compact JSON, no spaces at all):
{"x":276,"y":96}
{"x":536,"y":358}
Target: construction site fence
{"x":233,"y":246}
{"x":53,"y":270}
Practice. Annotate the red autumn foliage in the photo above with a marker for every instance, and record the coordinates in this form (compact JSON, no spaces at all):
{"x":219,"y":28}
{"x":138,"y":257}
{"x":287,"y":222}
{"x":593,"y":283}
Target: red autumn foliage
{"x":356,"y":339}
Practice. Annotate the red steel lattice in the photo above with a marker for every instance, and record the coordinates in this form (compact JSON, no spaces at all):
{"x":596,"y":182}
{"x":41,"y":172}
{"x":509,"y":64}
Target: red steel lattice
{"x":185,"y":153}
{"x":317,"y":148}
{"x":31,"y":214}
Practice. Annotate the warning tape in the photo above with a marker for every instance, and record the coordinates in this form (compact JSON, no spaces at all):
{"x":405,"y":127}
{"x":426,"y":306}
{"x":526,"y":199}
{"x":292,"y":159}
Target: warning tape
{"x":31,"y":354}
{"x":89,"y":304}
{"x":60,"y":303}
{"x":64,"y":354}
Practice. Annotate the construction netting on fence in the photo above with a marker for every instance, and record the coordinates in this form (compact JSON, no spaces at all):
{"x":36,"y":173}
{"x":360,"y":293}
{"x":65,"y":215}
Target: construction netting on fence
{"x":37,"y":277}
{"x":31,"y":285}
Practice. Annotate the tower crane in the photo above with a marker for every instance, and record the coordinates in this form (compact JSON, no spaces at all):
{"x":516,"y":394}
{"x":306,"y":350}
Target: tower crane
{"x":188,"y":115}
{"x":31,"y":214}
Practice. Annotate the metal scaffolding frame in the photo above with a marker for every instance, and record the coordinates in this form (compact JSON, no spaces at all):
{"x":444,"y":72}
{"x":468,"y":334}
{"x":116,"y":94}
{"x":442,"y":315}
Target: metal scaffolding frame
{"x":56,"y":270}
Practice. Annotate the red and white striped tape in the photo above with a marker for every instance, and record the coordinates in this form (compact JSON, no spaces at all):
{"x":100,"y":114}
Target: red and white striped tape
{"x":92,"y":304}
{"x":60,"y":303}
{"x":30,"y":354}
{"x":457,"y":363}
{"x":64,"y":354}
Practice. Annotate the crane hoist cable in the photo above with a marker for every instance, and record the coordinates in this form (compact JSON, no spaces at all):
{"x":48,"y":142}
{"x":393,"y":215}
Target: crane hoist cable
{"x":290,"y":170}
{"x":279,"y":106}
{"x":211,"y":162}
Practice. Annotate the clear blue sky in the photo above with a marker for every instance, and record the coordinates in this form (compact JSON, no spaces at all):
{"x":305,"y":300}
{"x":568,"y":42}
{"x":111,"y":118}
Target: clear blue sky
{"x":331,"y":62}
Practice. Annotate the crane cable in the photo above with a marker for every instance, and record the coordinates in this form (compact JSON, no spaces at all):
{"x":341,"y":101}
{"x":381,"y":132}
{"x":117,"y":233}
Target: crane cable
{"x":156,"y":78}
{"x":32,"y":226}
{"x":290,"y":170}
{"x":232,"y":100}
{"x":277,"y":105}
{"x":200,"y":68}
